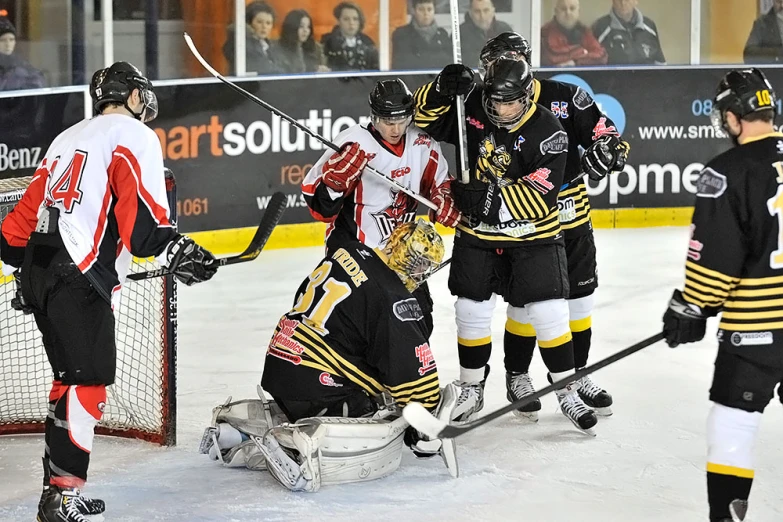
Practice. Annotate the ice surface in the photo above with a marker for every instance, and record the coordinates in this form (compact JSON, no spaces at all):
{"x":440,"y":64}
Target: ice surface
{"x":646,"y":464}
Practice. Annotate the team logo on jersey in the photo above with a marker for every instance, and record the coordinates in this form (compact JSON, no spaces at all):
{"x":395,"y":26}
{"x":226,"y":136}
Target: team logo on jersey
{"x":473,"y":121}
{"x":402,"y":210}
{"x":282,"y":345}
{"x":539,"y":180}
{"x":559,"y":109}
{"x":710,"y":184}
{"x":327,"y":380}
{"x":423,"y":139}
{"x":582,"y":99}
{"x":408,"y":310}
{"x":425,"y":357}
{"x":518,"y":143}
{"x":751,"y":338}
{"x":400,"y":172}
{"x":555,"y":144}
{"x":601,"y":129}
{"x":493,"y":160}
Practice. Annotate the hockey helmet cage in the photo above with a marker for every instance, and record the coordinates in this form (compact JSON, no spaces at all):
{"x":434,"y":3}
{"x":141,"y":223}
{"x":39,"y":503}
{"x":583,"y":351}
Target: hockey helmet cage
{"x":115,"y":84}
{"x":742,"y":92}
{"x":414,"y":251}
{"x":507,"y":81}
{"x":391,"y":99}
{"x":509,"y":45}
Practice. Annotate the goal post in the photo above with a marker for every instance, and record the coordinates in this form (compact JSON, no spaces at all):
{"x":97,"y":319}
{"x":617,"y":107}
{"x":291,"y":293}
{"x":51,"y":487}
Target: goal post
{"x":142,"y":401}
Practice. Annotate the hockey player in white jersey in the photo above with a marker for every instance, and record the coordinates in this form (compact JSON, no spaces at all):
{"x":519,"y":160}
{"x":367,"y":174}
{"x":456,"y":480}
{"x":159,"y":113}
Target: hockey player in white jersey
{"x":363,"y":207}
{"x":97,"y":198}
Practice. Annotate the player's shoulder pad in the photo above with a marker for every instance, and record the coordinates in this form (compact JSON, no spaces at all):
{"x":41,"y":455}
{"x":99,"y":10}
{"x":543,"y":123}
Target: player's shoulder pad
{"x":711,"y":183}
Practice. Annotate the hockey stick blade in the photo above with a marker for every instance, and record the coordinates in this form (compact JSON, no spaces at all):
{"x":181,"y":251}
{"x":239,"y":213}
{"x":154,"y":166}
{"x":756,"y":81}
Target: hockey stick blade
{"x":274,"y":211}
{"x":426,"y":423}
{"x":255,"y":99}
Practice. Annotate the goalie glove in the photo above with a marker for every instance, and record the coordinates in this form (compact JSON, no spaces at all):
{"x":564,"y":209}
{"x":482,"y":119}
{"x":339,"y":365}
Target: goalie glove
{"x":607,"y":154}
{"x":19,"y":303}
{"x":342,"y":170}
{"x":683,"y":322}
{"x":189,"y":262}
{"x":447,"y":214}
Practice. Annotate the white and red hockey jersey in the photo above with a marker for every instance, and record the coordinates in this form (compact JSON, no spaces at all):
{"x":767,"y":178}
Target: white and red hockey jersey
{"x":374,"y":209}
{"x":105,"y":175}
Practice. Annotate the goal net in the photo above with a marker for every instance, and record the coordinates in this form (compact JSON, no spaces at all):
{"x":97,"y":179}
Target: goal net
{"x":142,"y":401}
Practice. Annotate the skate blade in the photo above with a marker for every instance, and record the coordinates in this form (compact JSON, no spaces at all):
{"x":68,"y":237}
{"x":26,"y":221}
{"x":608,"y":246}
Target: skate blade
{"x":603,"y":412}
{"x":528,"y":417}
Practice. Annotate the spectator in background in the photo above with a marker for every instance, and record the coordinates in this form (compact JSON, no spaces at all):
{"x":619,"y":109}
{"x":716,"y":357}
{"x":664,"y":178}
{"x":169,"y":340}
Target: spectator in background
{"x":628,"y":36}
{"x":261,"y":53}
{"x":299,"y":52}
{"x":565,"y":41}
{"x":347,"y":48}
{"x":765,"y":44}
{"x":15,"y":73}
{"x":421,"y":44}
{"x":479,"y":26}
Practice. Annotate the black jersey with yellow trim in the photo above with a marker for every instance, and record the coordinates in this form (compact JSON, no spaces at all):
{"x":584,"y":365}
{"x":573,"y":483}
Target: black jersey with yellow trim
{"x":353,"y":324}
{"x":735,"y":255}
{"x":528,"y":160}
{"x":584,"y":123}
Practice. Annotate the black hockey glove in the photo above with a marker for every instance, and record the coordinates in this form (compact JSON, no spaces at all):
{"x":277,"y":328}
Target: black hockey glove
{"x":19,"y":303}
{"x":607,"y":154}
{"x":421,"y":446}
{"x":683,"y":322}
{"x":189,"y":262}
{"x":454,"y":80}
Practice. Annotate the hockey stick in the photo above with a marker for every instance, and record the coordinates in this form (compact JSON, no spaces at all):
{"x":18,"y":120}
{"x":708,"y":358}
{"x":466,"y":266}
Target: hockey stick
{"x":272,"y":214}
{"x":461,"y":127}
{"x":421,"y":419}
{"x":306,"y":130}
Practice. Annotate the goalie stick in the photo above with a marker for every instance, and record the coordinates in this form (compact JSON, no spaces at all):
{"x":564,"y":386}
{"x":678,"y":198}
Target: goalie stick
{"x":188,"y":40}
{"x":421,"y":419}
{"x":272,"y":214}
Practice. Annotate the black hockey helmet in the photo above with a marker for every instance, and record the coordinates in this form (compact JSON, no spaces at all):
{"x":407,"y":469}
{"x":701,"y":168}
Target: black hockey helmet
{"x":742,"y":92}
{"x":391,"y":99}
{"x":116,"y":83}
{"x":505,"y":45}
{"x":507,"y":81}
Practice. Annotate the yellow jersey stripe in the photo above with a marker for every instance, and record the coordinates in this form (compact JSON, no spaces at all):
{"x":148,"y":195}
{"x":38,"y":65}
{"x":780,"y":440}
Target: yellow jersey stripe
{"x":424,"y":391}
{"x":749,"y":316}
{"x":762,"y":292}
{"x":573,"y":224}
{"x":432,"y":396}
{"x":761,"y":281}
{"x":556,"y":342}
{"x":719,"y":292}
{"x":690,"y":274}
{"x":697,"y":301}
{"x":358,"y":378}
{"x":722,"y":469}
{"x":702,"y":297}
{"x":511,"y":197}
{"x":750,"y":327}
{"x":420,"y":382}
{"x":762,"y":303}
{"x":711,"y":273}
{"x":550,"y":231}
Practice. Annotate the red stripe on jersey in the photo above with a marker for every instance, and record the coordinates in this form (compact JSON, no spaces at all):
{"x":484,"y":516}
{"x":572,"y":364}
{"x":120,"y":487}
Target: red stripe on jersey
{"x":100,"y":229}
{"x":428,"y":176}
{"x":357,"y":211}
{"x":21,"y":222}
{"x":158,"y":212}
{"x":321,"y":218}
{"x":308,"y":189}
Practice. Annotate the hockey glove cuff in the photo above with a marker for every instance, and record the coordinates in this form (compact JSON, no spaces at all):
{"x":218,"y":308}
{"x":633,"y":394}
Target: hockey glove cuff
{"x":454,"y":80}
{"x":189,"y":262}
{"x":447,"y":213}
{"x":342,"y":171}
{"x":683,"y":322}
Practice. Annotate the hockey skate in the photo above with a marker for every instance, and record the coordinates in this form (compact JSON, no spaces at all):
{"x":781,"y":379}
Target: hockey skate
{"x":470,"y":400}
{"x":582,"y":417}
{"x":594,"y":397}
{"x":67,"y":505}
{"x":518,"y":386}
{"x":88,"y":506}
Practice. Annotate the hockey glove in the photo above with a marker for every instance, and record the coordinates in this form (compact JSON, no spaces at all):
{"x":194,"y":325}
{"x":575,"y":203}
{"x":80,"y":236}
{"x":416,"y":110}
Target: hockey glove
{"x":454,"y":80}
{"x":607,"y":154}
{"x":341,"y":172}
{"x":189,"y":262}
{"x":19,"y":303}
{"x":447,"y":214}
{"x":683,"y":322}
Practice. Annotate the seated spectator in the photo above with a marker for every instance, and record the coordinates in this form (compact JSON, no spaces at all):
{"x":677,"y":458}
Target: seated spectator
{"x":347,"y":48}
{"x":260,"y":52}
{"x":421,"y":44}
{"x":628,"y":36}
{"x":479,"y":26}
{"x":15,"y":72}
{"x":565,"y":41}
{"x":765,"y":44}
{"x":299,"y":52}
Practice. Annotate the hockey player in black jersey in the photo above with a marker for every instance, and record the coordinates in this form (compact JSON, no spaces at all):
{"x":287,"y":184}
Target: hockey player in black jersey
{"x":509,"y":241}
{"x":587,"y":127}
{"x":734,"y":267}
